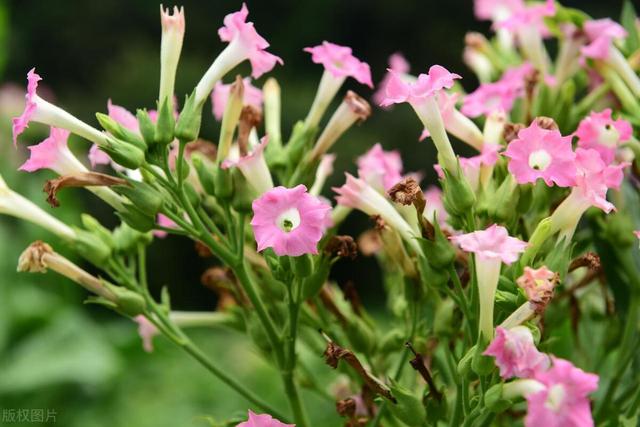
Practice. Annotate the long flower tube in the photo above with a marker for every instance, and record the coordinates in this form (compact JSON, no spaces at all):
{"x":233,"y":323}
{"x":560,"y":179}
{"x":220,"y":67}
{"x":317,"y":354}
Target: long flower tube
{"x":13,"y":204}
{"x":170,"y":48}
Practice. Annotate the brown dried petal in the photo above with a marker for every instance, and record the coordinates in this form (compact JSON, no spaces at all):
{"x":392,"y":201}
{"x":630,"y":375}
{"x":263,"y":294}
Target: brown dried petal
{"x":81,"y":179}
{"x":342,"y":246}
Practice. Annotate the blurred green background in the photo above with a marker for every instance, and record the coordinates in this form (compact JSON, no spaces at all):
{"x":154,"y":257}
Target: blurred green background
{"x":84,"y":362}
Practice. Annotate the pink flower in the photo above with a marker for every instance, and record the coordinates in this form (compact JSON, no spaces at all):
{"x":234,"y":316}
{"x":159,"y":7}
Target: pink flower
{"x":98,"y":157}
{"x":147,"y":331}
{"x":163,"y":221}
{"x":471,"y":166}
{"x":600,"y":132}
{"x":289,"y":220}
{"x":340,"y":62}
{"x":490,"y":244}
{"x":538,"y":283}
{"x":541,"y":153}
{"x":637,"y":233}
{"x":236,"y":29}
{"x":123,"y":116}
{"x":564,"y":401}
{"x":380,"y":169}
{"x":220,"y":96}
{"x":498,"y":96}
{"x":52,"y":153}
{"x":262,"y":420}
{"x":594,"y":178}
{"x":253,"y":167}
{"x":516,"y":354}
{"x":601,"y":33}
{"x":496,"y":10}
{"x":529,"y":16}
{"x":398,"y":64}
{"x":20,"y":123}
{"x":427,"y":85}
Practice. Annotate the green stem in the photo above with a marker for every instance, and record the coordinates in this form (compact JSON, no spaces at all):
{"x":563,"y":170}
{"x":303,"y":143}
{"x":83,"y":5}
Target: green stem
{"x":464,"y":306}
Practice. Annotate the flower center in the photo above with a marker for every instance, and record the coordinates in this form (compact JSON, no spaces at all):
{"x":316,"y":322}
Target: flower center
{"x":539,"y":160}
{"x":609,"y":136}
{"x":555,"y":397}
{"x":288,"y":220}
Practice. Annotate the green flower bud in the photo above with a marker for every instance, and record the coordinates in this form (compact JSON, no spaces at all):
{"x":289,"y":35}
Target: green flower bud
{"x":136,"y":219}
{"x":409,"y":408}
{"x":223,"y":184}
{"x":360,"y":335}
{"x":127,"y":302}
{"x":120,"y":132}
{"x":439,"y":251}
{"x":464,"y":365}
{"x":165,"y":124}
{"x":147,"y":127}
{"x":126,"y":239}
{"x":92,"y":225}
{"x":494,"y":401}
{"x":92,"y":247}
{"x":481,"y":364}
{"x":124,"y":153}
{"x":302,"y":265}
{"x":392,"y":341}
{"x":144,"y":196}
{"x":188,"y":126}
{"x":458,"y":195}
{"x":243,"y":194}
{"x":204,"y":170}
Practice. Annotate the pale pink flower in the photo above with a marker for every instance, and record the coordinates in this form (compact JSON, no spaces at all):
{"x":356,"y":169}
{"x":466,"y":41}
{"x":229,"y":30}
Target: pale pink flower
{"x":600,"y":132}
{"x":220,"y":96}
{"x":491,"y":243}
{"x":529,"y":16}
{"x":236,"y":29}
{"x":124,"y":116}
{"x":52,"y":153}
{"x":541,"y":153}
{"x":537,"y":283}
{"x":434,"y":209}
{"x":262,"y":420}
{"x":163,"y":221}
{"x":594,"y":178}
{"x":496,"y":10}
{"x":98,"y":157}
{"x":516,"y":354}
{"x":564,"y":401}
{"x":340,"y":62}
{"x":253,"y":167}
{"x":497,"y":96}
{"x":637,"y":233}
{"x":426,"y":86}
{"x":380,"y":169}
{"x":147,"y":331}
{"x":601,"y":34}
{"x":398,"y":64}
{"x":289,"y":220}
{"x":20,"y":123}
{"x":472,"y":166}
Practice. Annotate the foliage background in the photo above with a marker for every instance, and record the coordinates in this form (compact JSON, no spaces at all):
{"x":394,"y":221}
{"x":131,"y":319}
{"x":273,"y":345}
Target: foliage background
{"x":84,"y":362}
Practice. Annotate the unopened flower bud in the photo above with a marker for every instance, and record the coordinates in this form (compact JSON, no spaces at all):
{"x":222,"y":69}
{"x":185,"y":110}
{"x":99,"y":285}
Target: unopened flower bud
{"x":146,"y":126}
{"x":230,"y":118}
{"x":124,"y":153}
{"x":170,"y":48}
{"x":143,"y":195}
{"x":352,"y":109}
{"x":272,"y":113}
{"x":120,"y":132}
{"x":459,"y":198}
{"x":189,"y":121}
{"x":136,"y":218}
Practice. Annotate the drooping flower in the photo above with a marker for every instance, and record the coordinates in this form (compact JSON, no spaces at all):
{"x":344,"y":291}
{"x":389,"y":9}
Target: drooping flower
{"x":289,"y":220}
{"x":253,"y":167}
{"x":541,"y":153}
{"x":38,"y":110}
{"x":498,"y":96}
{"x":537,"y":283}
{"x":600,"y":132}
{"x":564,"y":401}
{"x":380,"y":169}
{"x":398,"y":64}
{"x":147,"y":331}
{"x":421,"y":95}
{"x":593,"y":178}
{"x":262,"y":420}
{"x":340,"y":62}
{"x":244,"y":44}
{"x":357,"y":194}
{"x":601,"y":34}
{"x":220,"y":95}
{"x":515,"y":352}
{"x":53,"y":153}
{"x":491,"y":247}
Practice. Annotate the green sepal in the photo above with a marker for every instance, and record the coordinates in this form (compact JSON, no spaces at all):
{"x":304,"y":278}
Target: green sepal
{"x":143,"y":195}
{"x":188,"y":126}
{"x":146,"y":126}
{"x":121,"y":132}
{"x":165,"y":124}
{"x":409,"y":408}
{"x":135,"y":218}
